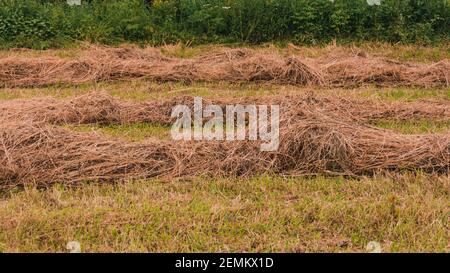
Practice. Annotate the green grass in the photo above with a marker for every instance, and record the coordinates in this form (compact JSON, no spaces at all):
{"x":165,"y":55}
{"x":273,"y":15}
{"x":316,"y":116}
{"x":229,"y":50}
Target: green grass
{"x":411,"y":53}
{"x":50,"y":24}
{"x":408,"y":94}
{"x":131,"y":132}
{"x":403,"y":212}
{"x":142,"y":131}
{"x":416,"y":126}
{"x":141,"y":90}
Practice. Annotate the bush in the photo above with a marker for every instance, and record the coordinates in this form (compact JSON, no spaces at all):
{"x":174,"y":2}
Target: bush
{"x":44,"y":24}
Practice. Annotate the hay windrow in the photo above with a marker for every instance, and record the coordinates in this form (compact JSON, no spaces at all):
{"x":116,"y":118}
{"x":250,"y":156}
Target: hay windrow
{"x":328,"y":144}
{"x":101,"y":108}
{"x":319,"y":134}
{"x":231,"y":65}
{"x":36,"y":153}
{"x":356,"y":70}
{"x":311,"y":143}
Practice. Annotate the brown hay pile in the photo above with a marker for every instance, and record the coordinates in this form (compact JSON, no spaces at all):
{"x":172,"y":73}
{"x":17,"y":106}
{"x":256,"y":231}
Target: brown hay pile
{"x":239,"y":65}
{"x":96,"y":64}
{"x":234,"y":65}
{"x":38,"y":154}
{"x":101,"y":108}
{"x":108,"y":64}
{"x":98,"y":108}
{"x":311,"y":143}
{"x":355,"y":70}
{"x":370,"y":110}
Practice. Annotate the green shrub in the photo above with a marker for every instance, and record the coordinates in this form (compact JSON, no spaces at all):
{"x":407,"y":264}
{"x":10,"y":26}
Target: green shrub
{"x":44,"y":24}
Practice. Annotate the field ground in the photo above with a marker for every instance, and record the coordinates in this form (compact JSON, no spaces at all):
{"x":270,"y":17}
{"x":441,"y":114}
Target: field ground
{"x":407,"y":211}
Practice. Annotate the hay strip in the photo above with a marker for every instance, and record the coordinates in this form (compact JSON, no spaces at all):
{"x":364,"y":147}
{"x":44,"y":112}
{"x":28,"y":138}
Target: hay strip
{"x":311,"y":143}
{"x":232,"y":65}
{"x":101,"y":108}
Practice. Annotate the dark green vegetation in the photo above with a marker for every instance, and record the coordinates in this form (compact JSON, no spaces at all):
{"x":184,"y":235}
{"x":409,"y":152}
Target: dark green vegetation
{"x":46,"y":24}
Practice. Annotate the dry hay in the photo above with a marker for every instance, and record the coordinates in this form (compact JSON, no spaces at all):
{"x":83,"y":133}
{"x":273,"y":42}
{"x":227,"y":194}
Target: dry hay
{"x":101,"y":108}
{"x":372,"y":110}
{"x":107,"y":64}
{"x":232,"y":65}
{"x":354,"y":70}
{"x":39,"y":154}
{"x":96,"y":64}
{"x":311,"y":142}
{"x":98,"y":108}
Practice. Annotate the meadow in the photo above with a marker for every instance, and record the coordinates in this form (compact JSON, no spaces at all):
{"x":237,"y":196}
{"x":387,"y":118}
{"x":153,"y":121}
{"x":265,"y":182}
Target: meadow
{"x":86,"y":153}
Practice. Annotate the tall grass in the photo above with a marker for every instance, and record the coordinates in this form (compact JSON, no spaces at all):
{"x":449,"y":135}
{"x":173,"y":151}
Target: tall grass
{"x":44,"y":24}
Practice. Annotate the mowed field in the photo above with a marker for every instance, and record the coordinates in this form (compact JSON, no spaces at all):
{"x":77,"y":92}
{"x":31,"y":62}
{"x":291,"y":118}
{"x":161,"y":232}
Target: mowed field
{"x":86,"y":153}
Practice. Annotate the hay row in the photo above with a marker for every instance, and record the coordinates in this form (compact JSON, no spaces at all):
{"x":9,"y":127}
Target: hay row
{"x":310,"y":143}
{"x":234,"y":65}
{"x":314,"y":142}
{"x":101,"y":108}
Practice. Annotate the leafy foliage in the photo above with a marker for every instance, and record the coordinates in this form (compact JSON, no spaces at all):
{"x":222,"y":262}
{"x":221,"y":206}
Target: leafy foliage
{"x":43,"y":24}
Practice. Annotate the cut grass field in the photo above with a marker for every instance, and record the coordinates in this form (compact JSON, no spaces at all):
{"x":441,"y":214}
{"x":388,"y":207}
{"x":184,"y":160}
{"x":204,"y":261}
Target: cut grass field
{"x":132,"y":132}
{"x":404,"y":212}
{"x":142,"y":131}
{"x":141,"y":90}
